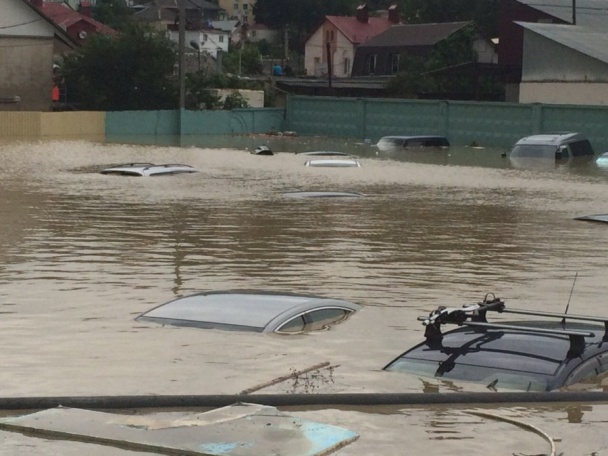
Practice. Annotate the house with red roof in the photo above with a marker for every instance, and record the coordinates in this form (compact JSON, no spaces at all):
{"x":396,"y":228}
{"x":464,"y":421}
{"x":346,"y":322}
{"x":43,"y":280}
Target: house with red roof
{"x":330,"y":49}
{"x":29,"y":42}
{"x":78,"y":25}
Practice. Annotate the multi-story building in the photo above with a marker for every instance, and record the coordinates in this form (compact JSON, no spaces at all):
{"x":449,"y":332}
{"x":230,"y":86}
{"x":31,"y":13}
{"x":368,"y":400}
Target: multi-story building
{"x":239,"y":9}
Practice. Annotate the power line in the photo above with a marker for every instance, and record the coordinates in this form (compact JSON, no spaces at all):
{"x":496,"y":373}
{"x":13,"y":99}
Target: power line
{"x":20,"y":25}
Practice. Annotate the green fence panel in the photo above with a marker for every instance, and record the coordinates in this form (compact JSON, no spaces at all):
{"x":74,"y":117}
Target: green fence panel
{"x":589,"y":120}
{"x":484,"y":123}
{"x":260,"y":120}
{"x":163,"y":123}
{"x":205,"y":122}
{"x":488,"y":124}
{"x":149,"y":123}
{"x":393,"y":117}
{"x":325,"y":116}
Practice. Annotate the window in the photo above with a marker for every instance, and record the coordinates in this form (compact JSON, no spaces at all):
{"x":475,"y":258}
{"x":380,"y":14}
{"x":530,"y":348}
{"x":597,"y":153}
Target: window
{"x":580,"y":148}
{"x":323,"y":318}
{"x":245,"y":7}
{"x":315,"y":320}
{"x":346,"y":66}
{"x":394,"y":62}
{"x":205,"y":37}
{"x":371,"y":64}
{"x":221,"y":38}
{"x":294,"y":325}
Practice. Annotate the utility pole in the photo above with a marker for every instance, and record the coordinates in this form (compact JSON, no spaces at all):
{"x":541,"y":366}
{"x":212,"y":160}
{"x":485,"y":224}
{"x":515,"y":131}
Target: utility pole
{"x":573,"y":12}
{"x":182,"y":54}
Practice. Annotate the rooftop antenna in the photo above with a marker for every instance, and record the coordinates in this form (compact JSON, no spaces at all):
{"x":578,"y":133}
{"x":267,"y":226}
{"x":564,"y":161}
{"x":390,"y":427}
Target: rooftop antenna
{"x":563,"y":323}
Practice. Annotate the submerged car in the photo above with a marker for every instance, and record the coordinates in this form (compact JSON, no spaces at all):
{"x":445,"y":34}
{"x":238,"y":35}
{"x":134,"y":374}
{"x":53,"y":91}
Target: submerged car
{"x":335,"y":163}
{"x":554,"y":146}
{"x":148,"y":169}
{"x":603,"y":218}
{"x":282,"y":313}
{"x":396,"y":143}
{"x":559,"y":351}
{"x":602,"y":160}
{"x":322,"y":195}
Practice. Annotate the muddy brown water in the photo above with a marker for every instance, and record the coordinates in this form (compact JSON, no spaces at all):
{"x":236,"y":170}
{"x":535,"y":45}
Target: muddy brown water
{"x":82,"y":254}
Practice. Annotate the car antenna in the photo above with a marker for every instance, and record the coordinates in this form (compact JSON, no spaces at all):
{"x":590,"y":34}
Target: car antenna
{"x":568,"y":305}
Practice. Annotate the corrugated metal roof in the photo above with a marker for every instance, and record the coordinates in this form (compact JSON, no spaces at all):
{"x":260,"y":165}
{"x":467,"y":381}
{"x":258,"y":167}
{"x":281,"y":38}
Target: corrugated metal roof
{"x":589,"y":13}
{"x":584,"y":40}
{"x":65,"y":17}
{"x":415,"y":34}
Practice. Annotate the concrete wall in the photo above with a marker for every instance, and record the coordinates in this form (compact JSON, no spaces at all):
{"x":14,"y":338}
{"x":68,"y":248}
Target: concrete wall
{"x":52,"y":124}
{"x":314,"y":52}
{"x":547,"y":60}
{"x":255,"y":98}
{"x":576,"y":93}
{"x":26,"y":73}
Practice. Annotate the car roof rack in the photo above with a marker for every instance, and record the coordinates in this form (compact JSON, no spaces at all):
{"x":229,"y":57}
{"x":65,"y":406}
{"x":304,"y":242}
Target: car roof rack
{"x":474,"y":315}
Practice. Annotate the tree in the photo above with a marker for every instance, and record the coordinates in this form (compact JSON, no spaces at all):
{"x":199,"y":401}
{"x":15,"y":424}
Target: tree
{"x":299,"y":17}
{"x":235,"y":101}
{"x":201,"y":93}
{"x":449,"y":69}
{"x":113,"y":13}
{"x":133,"y":71}
{"x":483,"y":12}
{"x":243,"y":60}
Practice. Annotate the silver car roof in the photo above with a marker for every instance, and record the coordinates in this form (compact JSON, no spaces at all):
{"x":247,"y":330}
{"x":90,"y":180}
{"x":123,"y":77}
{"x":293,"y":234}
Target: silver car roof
{"x":148,"y":169}
{"x":550,"y":138}
{"x":264,"y":312}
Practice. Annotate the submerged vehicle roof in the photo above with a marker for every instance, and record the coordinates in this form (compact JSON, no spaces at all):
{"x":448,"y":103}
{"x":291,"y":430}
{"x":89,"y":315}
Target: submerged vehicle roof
{"x":322,"y":195}
{"x":527,"y":355}
{"x":334,"y":163}
{"x":551,"y":138}
{"x":251,"y":311}
{"x":148,"y":169}
{"x":552,"y":146}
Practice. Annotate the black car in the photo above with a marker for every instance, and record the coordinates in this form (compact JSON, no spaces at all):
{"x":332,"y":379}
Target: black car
{"x":534,"y":355}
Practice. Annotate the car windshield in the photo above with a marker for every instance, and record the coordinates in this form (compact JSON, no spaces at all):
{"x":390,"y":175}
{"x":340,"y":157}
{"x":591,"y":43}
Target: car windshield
{"x":534,"y":151}
{"x":494,"y":358}
{"x":491,"y":377}
{"x":581,"y":148}
{"x":390,"y":142}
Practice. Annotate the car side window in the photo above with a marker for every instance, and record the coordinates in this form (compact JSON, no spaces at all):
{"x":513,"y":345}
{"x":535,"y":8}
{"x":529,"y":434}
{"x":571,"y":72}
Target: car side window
{"x":580,"y":148}
{"x":294,"y":325}
{"x":321,"y":319}
{"x":590,"y":368}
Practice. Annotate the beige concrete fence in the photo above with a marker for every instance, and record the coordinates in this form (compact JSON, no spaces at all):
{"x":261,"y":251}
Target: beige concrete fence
{"x":52,"y":124}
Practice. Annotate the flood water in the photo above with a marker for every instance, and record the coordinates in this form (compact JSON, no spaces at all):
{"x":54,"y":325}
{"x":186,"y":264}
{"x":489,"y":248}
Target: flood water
{"x":82,"y":254}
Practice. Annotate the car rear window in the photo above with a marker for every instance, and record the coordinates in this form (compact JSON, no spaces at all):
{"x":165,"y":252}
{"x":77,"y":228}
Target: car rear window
{"x":581,"y":148}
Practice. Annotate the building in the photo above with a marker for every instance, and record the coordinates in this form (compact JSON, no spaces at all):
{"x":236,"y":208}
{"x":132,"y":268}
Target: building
{"x":330,"y":49}
{"x":163,"y":13}
{"x":563,"y":64}
{"x":29,"y":41}
{"x":589,"y":14}
{"x":380,"y":55}
{"x":239,"y":9}
{"x":79,"y":25}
